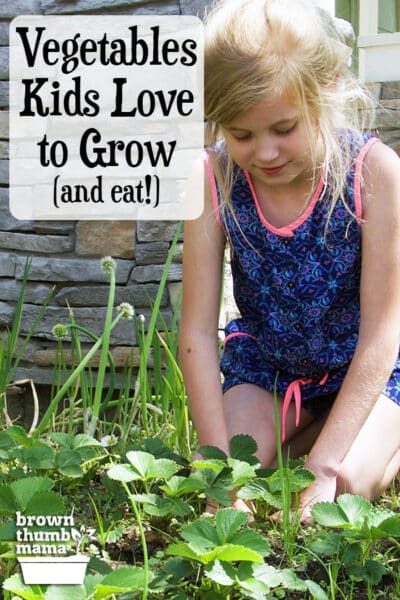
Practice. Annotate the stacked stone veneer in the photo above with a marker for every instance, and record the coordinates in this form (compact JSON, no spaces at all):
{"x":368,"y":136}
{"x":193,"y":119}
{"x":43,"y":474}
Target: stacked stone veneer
{"x":388,"y":113}
{"x":67,"y":254}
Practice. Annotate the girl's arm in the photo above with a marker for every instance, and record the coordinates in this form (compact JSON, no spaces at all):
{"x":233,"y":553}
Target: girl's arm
{"x":379,"y":334}
{"x":204,"y":243}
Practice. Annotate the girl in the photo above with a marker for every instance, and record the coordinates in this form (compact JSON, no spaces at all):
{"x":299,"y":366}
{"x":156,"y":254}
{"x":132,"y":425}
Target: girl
{"x":311,"y":209}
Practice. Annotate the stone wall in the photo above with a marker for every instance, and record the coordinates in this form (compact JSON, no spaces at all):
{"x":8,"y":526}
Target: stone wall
{"x":67,"y":254}
{"x":388,"y":113}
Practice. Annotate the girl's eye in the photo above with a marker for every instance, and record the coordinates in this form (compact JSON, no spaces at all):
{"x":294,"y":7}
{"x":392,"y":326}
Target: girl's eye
{"x":242,"y":138}
{"x":286,"y":131}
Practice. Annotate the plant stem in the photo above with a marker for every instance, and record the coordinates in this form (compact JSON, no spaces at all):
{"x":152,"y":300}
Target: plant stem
{"x":103,"y":357}
{"x":142,"y":539}
{"x":85,"y":360}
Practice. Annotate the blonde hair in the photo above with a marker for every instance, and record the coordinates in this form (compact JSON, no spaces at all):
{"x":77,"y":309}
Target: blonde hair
{"x":255,"y":49}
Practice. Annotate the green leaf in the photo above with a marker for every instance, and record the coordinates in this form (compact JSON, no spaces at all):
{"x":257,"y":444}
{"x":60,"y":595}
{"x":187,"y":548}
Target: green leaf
{"x":221,"y":573}
{"x":267,"y":574}
{"x":123,"y":580}
{"x":69,"y":462}
{"x":220,"y":495}
{"x":63,"y":439}
{"x":391,"y":526}
{"x":259,"y":490}
{"x":19,"y":435}
{"x":356,"y":508}
{"x":316,"y":590}
{"x":66,"y":592}
{"x":351,"y":553}
{"x":329,"y":514}
{"x":291,"y":581}
{"x":8,"y":531}
{"x":227,"y":522}
{"x":38,"y":457}
{"x":123,"y":472}
{"x":82,"y":440}
{"x":178,"y":568}
{"x":178,"y":485}
{"x":253,"y":540}
{"x":299,"y":479}
{"x":211,"y":463}
{"x":243,"y":447}
{"x":15,"y":585}
{"x":242,"y":472}
{"x":231,"y":553}
{"x":8,"y":503}
{"x":202,"y":534}
{"x":328,"y":544}
{"x":168,"y":506}
{"x":372,"y":572}
{"x":6,"y":441}
{"x":183,"y":550}
{"x":212,"y":452}
{"x":149,"y":467}
{"x":25,"y":489}
{"x":45,"y":503}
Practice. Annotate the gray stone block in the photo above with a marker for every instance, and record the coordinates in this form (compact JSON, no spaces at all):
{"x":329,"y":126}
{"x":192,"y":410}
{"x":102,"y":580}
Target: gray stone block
{"x":4,"y":72}
{"x":13,"y":8}
{"x":4,"y":34}
{"x":154,"y":273}
{"x":3,"y":124}
{"x":86,"y":295}
{"x":4,"y":171}
{"x":6,"y":314}
{"x":53,"y":226}
{"x":4,"y":150}
{"x":387,"y":119}
{"x":193,"y":7}
{"x":93,"y":320}
{"x":4,"y":95}
{"x":28,"y":242}
{"x":71,"y":269}
{"x":65,"y":6}
{"x":153,"y":231}
{"x":151,"y":253}
{"x":7,"y":264}
{"x":390,"y":90}
{"x":7,"y":221}
{"x":167,"y":7}
{"x":35,"y":293}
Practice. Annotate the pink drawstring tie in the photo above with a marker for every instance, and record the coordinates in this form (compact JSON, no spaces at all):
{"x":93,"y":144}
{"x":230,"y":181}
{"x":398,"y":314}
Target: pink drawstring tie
{"x":294,"y":389}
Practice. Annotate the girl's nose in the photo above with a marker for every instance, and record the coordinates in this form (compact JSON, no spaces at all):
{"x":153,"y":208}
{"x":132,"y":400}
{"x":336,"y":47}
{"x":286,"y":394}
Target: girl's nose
{"x":266,"y":150}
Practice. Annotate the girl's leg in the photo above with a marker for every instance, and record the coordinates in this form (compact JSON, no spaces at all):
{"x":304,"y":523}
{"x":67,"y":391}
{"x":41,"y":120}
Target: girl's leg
{"x":250,"y":409}
{"x":374,"y":458}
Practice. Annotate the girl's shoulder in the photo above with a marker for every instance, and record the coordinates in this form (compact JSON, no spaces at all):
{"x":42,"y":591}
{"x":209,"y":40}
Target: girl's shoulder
{"x":381,"y":179}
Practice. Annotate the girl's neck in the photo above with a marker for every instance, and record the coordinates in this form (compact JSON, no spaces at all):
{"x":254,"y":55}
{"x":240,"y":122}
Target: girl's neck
{"x":283,"y":205}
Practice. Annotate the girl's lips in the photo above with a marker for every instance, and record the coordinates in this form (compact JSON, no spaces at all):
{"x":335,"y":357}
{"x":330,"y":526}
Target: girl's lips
{"x":273,"y":170}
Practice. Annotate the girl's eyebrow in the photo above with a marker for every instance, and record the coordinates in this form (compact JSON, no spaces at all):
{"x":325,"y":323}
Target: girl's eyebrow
{"x":275,"y":124}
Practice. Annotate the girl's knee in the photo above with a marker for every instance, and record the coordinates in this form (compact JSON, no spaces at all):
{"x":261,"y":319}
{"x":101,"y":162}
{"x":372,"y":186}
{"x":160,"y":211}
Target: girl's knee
{"x":349,"y":481}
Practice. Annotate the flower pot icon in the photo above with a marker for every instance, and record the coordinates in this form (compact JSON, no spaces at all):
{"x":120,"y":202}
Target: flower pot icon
{"x":65,"y":570}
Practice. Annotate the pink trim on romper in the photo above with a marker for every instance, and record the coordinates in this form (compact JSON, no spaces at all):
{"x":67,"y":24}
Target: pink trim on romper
{"x":236,"y":334}
{"x":213,"y":187}
{"x":287,"y":230}
{"x":357,"y":177}
{"x":294,"y":391}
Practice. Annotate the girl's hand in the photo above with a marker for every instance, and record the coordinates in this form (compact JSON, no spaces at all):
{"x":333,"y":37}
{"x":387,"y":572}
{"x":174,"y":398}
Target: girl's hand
{"x":323,"y":489}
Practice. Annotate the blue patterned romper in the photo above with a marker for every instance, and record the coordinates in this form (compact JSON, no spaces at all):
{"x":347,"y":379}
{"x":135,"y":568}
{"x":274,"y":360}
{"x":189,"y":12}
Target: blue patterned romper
{"x":297,"y":290}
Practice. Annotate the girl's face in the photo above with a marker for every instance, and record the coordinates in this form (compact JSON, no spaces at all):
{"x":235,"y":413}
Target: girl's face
{"x":271,"y":142}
